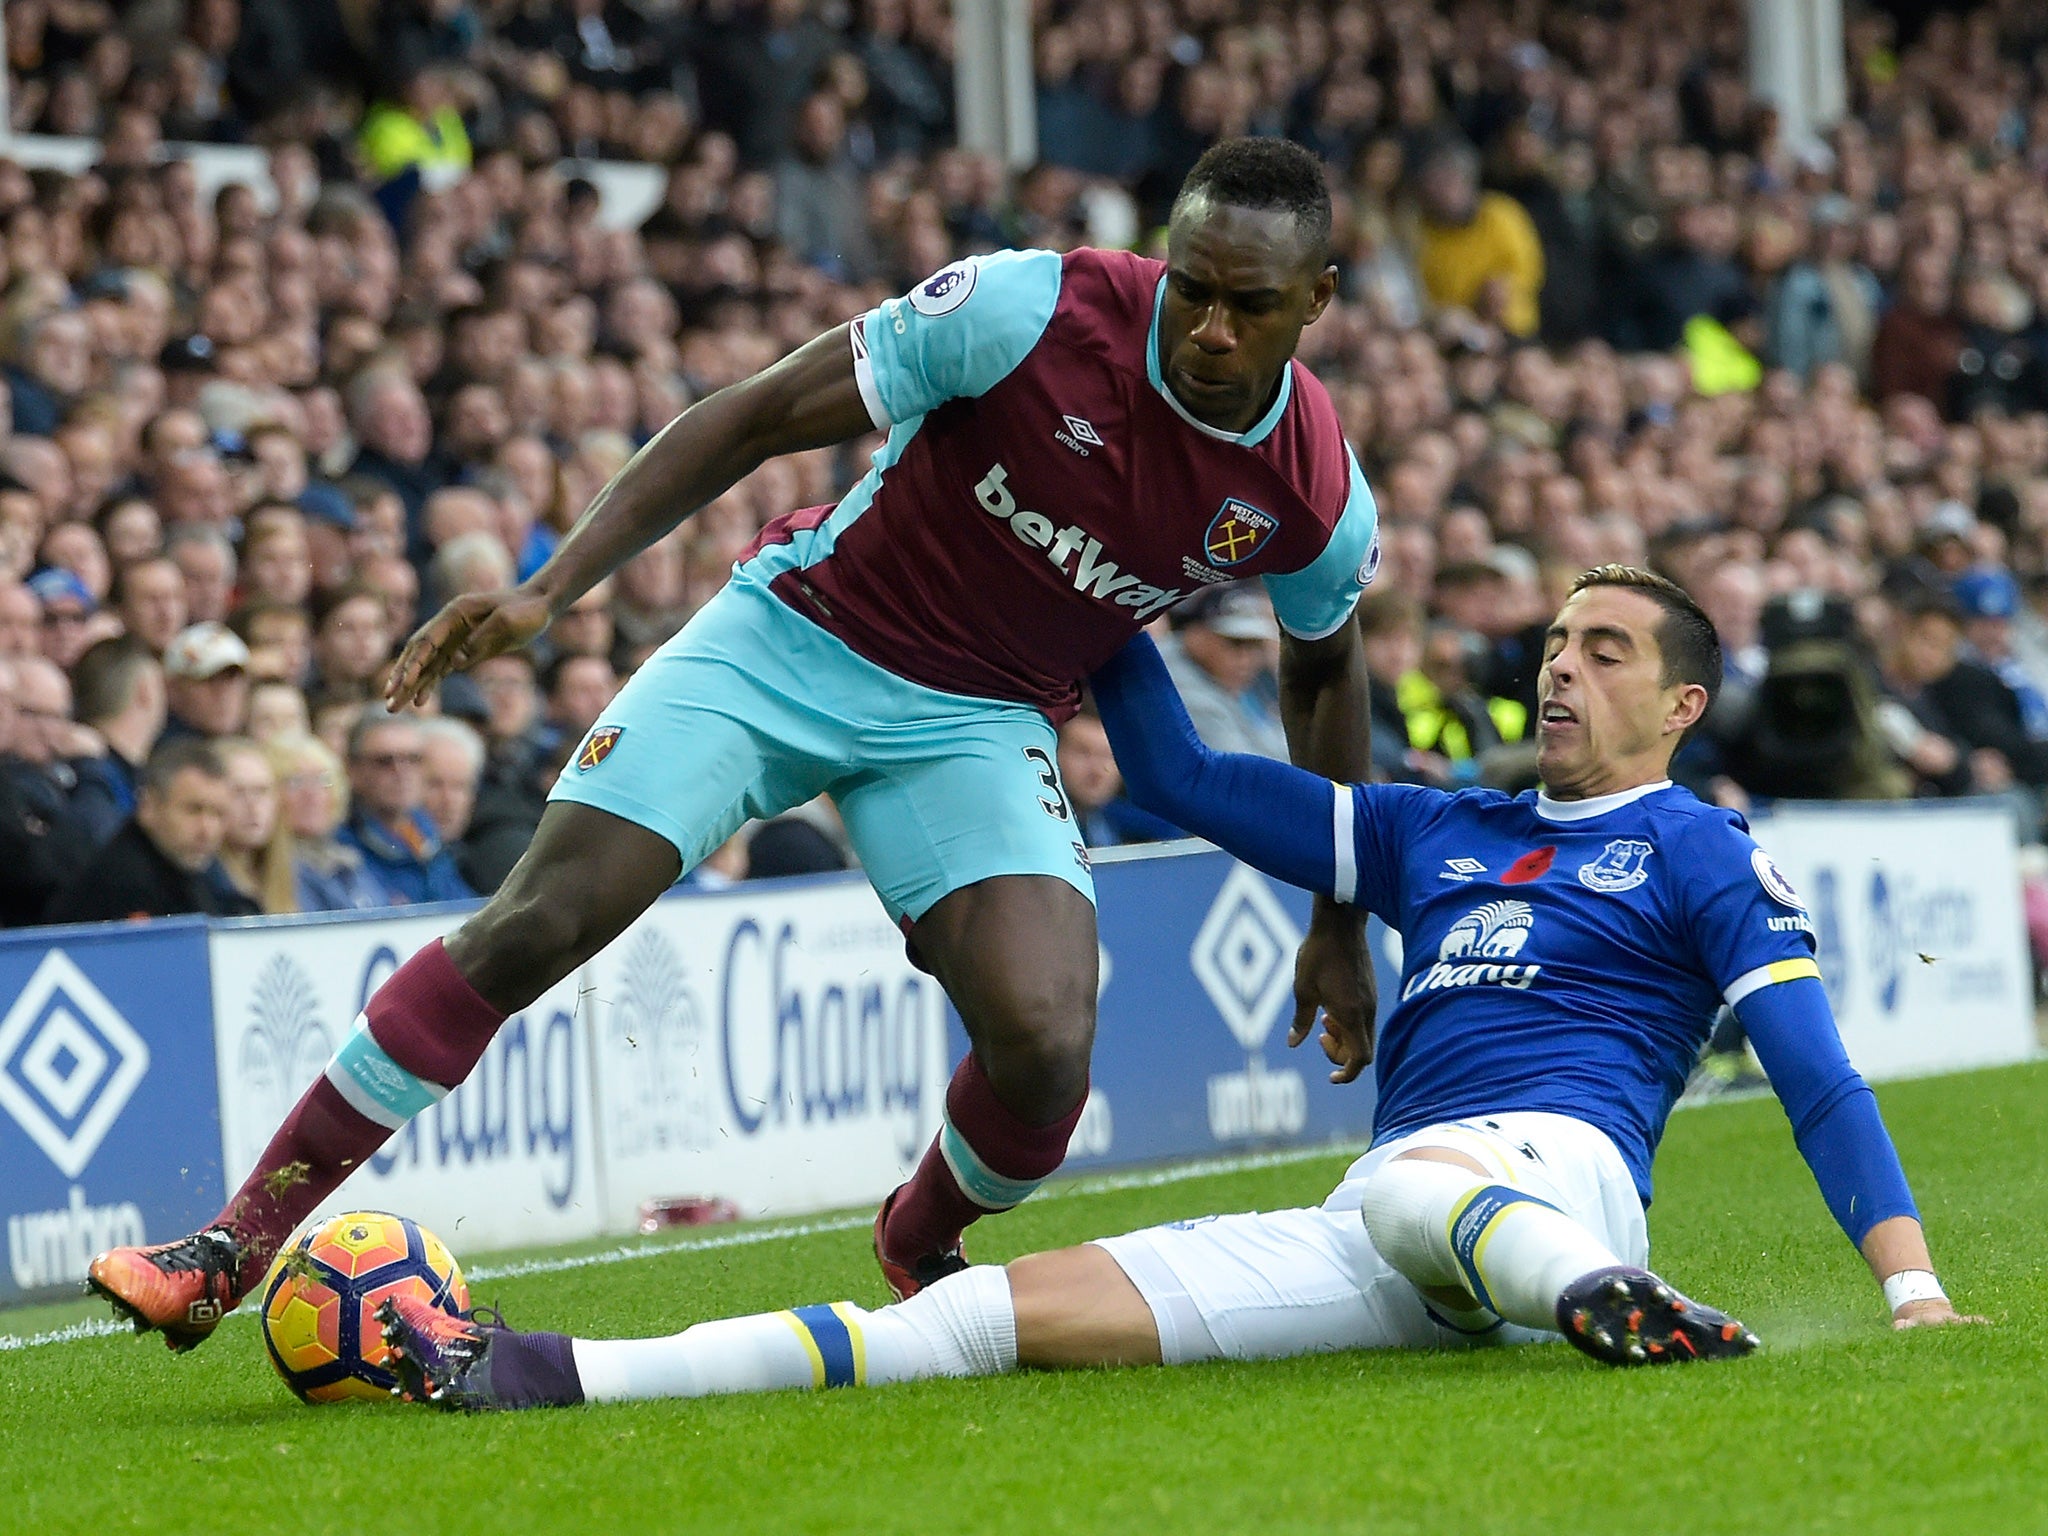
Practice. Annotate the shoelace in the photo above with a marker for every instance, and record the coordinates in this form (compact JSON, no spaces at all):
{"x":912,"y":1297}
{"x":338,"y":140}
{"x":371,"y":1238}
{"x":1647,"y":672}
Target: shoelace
{"x":214,"y":1254}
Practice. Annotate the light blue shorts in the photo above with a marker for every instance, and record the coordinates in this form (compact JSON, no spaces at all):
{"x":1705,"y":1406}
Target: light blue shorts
{"x":753,"y":709}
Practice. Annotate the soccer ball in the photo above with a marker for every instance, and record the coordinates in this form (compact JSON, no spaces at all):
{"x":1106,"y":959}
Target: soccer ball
{"x":322,"y":1293}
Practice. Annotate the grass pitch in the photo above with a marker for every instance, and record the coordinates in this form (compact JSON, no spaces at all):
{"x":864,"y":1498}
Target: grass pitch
{"x":1838,"y":1426}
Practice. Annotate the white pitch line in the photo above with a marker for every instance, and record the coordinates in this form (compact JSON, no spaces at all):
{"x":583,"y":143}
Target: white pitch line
{"x":626,"y":1253}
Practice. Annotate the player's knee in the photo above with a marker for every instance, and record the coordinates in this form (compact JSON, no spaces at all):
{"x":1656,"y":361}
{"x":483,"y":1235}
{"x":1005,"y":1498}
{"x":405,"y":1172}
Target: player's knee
{"x":522,"y":943}
{"x":1040,"y":1073}
{"x":1407,"y":1209}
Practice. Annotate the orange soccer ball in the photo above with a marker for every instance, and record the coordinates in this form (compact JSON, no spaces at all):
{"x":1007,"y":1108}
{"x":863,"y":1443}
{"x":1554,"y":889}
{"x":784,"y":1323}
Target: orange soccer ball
{"x":322,"y":1293}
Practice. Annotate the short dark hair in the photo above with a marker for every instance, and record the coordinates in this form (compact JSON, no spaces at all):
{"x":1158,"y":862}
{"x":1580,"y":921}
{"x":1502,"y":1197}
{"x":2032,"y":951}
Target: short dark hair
{"x":124,"y":575}
{"x":1685,"y":636}
{"x":243,"y":620}
{"x":103,"y":679}
{"x":1265,"y":174}
{"x":176,"y":756}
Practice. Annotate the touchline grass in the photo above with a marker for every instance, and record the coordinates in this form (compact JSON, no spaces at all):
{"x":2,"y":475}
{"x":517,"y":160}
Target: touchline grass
{"x":1838,"y":1426}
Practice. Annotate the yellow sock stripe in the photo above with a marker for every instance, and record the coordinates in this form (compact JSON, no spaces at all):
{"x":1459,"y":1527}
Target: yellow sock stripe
{"x":810,"y":1347}
{"x":850,"y":1315}
{"x":1473,"y":1282}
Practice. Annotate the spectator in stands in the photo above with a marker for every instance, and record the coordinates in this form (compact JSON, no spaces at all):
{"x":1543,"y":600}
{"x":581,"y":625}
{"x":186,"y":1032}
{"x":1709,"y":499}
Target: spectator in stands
{"x":820,"y":205}
{"x":277,"y":711}
{"x":156,"y":865}
{"x":44,"y":745}
{"x":277,"y":563}
{"x":1390,"y":627}
{"x":351,"y":642}
{"x":1826,"y":306}
{"x":586,"y":627}
{"x":329,"y":875}
{"x":21,"y":620}
{"x":579,"y":688}
{"x":1696,"y":275}
{"x":1953,"y":722}
{"x":388,"y":824}
{"x":391,"y":422}
{"x":206,"y":559}
{"x":1447,"y":711}
{"x":1476,"y":250}
{"x":452,"y":766}
{"x":257,"y":864}
{"x":280,"y":640}
{"x":1220,"y":654}
{"x":1989,"y":599}
{"x":55,"y":367}
{"x":68,"y":609}
{"x":120,"y":696}
{"x":149,"y":597}
{"x":207,"y":669}
{"x":1918,"y":341}
{"x":33,"y":864}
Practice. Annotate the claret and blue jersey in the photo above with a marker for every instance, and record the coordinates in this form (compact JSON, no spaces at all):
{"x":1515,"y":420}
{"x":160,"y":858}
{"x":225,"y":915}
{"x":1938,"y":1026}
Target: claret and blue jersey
{"x":1042,"y":494}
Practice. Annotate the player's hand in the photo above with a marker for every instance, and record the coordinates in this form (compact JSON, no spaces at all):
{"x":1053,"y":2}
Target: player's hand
{"x":1333,"y":975}
{"x":1934,"y":1312}
{"x":469,"y":630}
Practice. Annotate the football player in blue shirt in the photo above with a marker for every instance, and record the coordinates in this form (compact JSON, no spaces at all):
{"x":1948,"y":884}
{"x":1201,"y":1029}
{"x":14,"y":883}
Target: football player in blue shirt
{"x":1566,"y":951}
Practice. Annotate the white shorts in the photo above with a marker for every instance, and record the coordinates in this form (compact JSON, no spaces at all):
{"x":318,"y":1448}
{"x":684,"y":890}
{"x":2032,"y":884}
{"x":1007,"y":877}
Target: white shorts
{"x":1269,"y":1284}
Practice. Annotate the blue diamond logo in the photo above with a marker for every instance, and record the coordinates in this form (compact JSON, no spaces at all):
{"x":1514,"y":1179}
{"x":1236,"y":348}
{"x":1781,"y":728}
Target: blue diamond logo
{"x":69,"y":1063}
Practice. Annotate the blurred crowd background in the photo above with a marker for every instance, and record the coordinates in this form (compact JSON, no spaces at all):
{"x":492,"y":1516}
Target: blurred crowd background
{"x":1594,"y":307}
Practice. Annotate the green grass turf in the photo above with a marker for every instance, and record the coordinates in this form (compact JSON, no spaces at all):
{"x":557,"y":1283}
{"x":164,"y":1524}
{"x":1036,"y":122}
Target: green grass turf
{"x":1839,"y":1426}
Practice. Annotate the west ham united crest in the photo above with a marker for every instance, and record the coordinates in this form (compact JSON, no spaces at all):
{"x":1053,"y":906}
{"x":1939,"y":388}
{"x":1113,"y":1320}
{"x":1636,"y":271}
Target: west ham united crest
{"x":598,"y":746}
{"x":1237,"y":533}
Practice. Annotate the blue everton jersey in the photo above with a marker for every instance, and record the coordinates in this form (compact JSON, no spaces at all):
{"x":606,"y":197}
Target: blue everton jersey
{"x":1566,"y":956}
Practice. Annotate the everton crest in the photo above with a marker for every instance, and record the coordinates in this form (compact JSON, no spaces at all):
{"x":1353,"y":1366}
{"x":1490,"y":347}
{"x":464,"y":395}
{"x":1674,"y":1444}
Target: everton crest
{"x":597,"y":746}
{"x":1619,"y":867}
{"x":1237,"y":532}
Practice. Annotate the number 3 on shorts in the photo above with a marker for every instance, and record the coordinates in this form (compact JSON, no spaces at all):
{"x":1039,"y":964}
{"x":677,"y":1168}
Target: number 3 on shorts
{"x":1056,"y":804}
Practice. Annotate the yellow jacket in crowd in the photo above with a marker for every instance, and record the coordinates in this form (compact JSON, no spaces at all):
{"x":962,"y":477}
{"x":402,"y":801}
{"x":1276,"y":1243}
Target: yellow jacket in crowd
{"x":393,"y":140}
{"x":1457,"y":261}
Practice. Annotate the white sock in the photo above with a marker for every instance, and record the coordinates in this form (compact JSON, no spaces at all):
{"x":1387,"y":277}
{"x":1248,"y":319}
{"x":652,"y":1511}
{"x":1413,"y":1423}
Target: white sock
{"x":1442,"y":1225}
{"x":965,"y":1325}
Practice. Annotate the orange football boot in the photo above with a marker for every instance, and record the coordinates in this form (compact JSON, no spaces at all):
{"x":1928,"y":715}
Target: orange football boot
{"x":182,"y":1289}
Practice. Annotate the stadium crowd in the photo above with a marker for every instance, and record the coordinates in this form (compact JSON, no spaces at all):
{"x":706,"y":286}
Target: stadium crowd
{"x":1595,"y":306}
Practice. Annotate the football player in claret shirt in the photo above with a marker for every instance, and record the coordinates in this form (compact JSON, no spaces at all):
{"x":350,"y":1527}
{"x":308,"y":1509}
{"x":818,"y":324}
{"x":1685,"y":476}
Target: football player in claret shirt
{"x":1074,"y":444}
{"x":1565,"y":953}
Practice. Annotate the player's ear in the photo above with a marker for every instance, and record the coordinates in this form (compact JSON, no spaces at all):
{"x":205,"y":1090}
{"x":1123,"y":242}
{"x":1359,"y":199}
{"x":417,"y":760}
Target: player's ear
{"x":1321,"y":294}
{"x":1686,"y":708}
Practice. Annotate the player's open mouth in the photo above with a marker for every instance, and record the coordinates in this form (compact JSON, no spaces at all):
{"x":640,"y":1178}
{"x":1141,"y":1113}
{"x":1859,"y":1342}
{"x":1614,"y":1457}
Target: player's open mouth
{"x":1556,"y":715}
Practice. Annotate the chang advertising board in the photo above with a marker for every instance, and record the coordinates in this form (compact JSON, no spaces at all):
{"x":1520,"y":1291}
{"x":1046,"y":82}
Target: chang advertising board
{"x":1916,"y":911}
{"x":108,"y":1124}
{"x":771,"y":1045}
{"x":507,"y":1158}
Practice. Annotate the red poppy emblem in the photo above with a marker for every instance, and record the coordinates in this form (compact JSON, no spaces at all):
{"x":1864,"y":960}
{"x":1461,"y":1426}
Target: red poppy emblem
{"x":1533,"y":865}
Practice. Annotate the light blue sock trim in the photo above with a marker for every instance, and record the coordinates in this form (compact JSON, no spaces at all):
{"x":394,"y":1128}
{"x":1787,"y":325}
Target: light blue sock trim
{"x":376,"y":1087}
{"x":981,"y":1183}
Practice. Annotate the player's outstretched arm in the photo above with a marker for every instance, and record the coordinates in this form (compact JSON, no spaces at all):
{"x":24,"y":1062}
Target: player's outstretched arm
{"x":811,"y":399}
{"x":1844,"y":1141}
{"x":1274,"y":816}
{"x":1326,"y":709}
